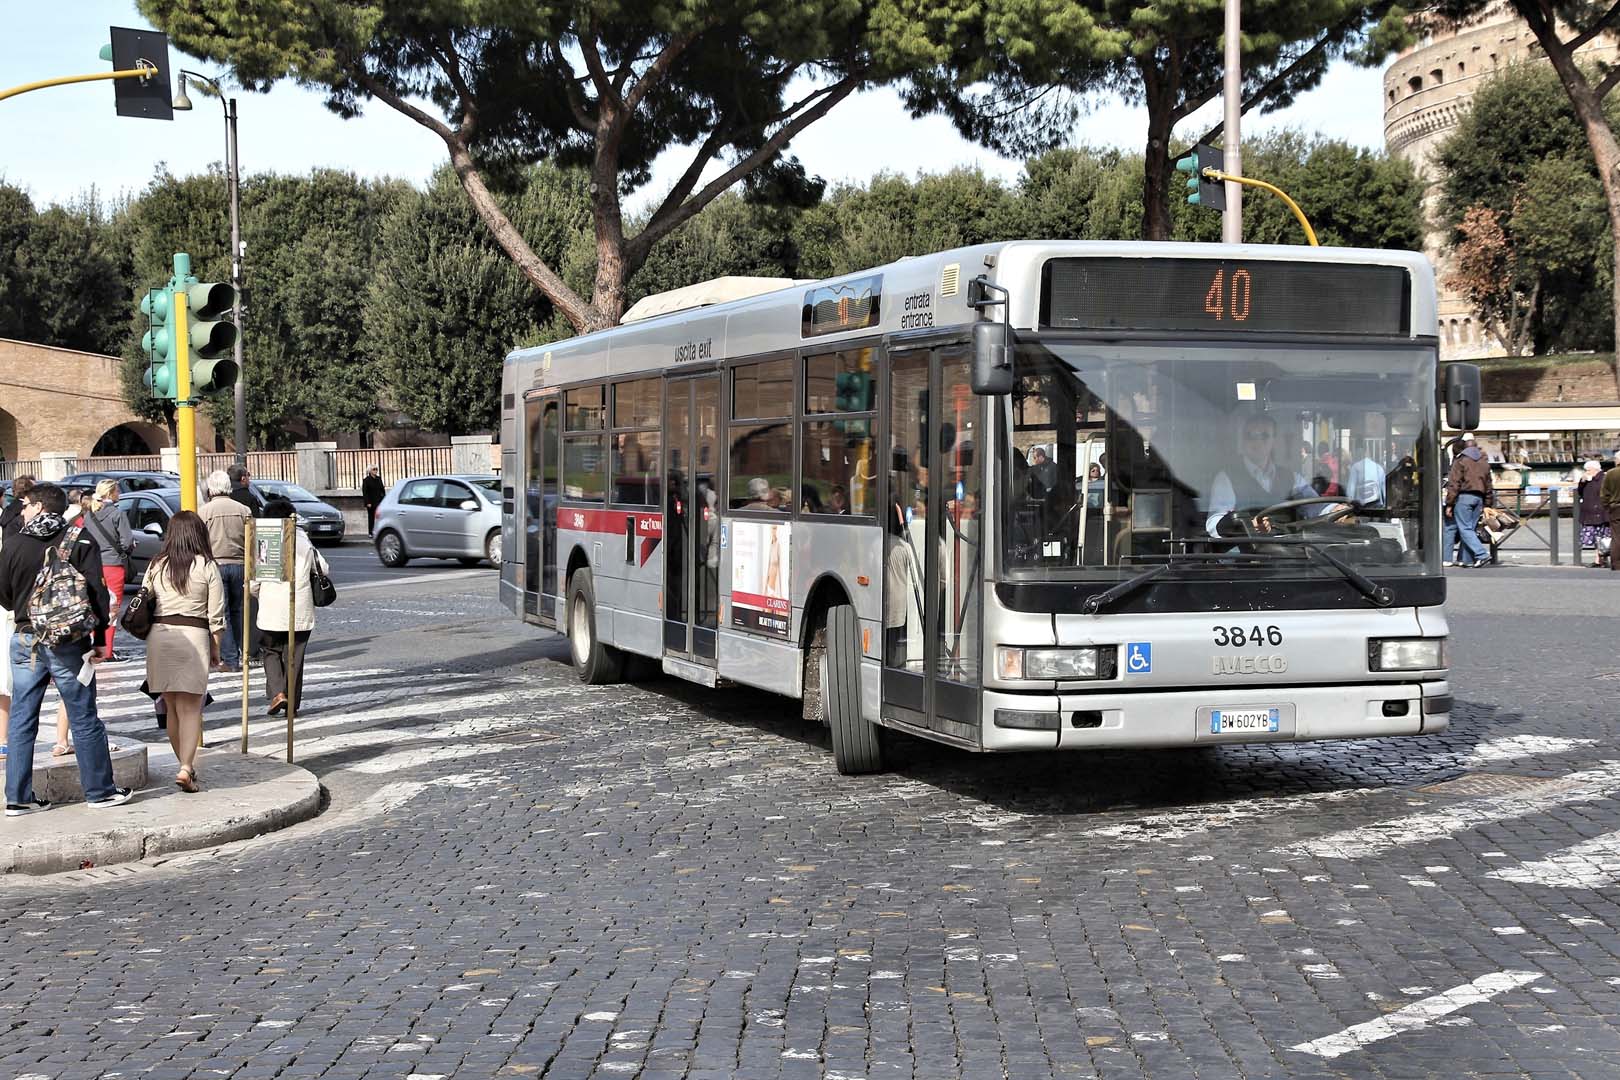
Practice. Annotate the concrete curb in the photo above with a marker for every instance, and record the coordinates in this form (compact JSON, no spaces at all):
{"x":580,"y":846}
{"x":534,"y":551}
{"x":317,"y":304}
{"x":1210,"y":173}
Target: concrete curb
{"x":242,"y":796}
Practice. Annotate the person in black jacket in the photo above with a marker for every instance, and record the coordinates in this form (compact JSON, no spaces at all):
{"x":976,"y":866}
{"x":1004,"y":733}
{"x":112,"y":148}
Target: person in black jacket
{"x":240,"y":491}
{"x":371,"y":493}
{"x":34,"y":663}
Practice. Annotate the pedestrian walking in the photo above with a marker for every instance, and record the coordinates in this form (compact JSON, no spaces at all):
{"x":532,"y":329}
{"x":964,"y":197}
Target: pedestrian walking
{"x":1468,"y":487}
{"x":1594,"y":519}
{"x":1609,"y":496}
{"x":272,"y":597}
{"x":188,"y":620}
{"x":227,"y":519}
{"x":50,"y":581}
{"x":371,"y":493}
{"x":239,"y":477}
{"x":105,"y":521}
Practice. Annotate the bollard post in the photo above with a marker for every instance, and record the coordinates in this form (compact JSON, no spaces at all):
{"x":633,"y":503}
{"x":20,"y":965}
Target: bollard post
{"x":247,"y":596}
{"x":1552,"y":528}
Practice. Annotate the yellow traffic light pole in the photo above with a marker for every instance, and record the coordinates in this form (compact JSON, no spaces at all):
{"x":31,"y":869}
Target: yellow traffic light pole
{"x":145,"y":71}
{"x":185,"y":410}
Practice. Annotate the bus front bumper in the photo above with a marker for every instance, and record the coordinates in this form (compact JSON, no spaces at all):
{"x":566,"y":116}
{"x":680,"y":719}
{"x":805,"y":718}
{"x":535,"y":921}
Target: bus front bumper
{"x":1197,"y":717}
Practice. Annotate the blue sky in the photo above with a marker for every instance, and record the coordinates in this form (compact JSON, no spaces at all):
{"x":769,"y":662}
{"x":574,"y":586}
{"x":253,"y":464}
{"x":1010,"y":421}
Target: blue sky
{"x":66,"y":139}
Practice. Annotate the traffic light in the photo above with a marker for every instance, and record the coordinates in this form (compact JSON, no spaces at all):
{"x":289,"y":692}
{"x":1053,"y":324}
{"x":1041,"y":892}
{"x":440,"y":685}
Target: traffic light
{"x":212,"y":335}
{"x":1201,"y":190}
{"x":852,"y":391}
{"x":157,"y":343}
{"x":149,"y":95}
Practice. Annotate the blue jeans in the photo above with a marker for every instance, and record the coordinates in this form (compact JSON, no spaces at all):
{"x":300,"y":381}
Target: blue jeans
{"x":230,"y":646}
{"x":1463,"y":526}
{"x":33,"y":666}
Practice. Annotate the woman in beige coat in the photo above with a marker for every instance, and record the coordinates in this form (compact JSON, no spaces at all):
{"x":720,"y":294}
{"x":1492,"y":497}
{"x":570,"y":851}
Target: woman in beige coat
{"x":272,"y":618}
{"x":188,"y":619}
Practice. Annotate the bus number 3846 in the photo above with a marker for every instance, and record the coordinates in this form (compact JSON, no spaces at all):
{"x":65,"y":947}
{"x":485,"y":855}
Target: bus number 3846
{"x":1236,"y":637}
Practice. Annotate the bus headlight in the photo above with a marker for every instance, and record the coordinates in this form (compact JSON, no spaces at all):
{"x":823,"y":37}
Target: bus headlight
{"x":1090,"y":662}
{"x":1406,"y":654}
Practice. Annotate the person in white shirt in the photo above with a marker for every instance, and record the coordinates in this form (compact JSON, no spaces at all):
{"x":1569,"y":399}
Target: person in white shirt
{"x":1257,"y":484}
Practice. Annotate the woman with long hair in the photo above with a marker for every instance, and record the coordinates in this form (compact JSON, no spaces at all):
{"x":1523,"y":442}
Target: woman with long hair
{"x":188,"y":619}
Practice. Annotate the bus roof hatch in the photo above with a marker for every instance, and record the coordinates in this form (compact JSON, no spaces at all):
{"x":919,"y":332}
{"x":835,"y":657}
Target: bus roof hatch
{"x":718,"y":290}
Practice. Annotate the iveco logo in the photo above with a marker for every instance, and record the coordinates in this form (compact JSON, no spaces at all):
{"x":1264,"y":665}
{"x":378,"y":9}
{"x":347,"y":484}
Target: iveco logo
{"x":1275,"y":664}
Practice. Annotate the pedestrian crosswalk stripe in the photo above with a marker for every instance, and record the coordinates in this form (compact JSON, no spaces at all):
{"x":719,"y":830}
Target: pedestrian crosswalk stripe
{"x":1513,"y":747}
{"x":410,"y":759}
{"x":1417,"y":1015}
{"x":1591,"y":864}
{"x":1362,"y":841}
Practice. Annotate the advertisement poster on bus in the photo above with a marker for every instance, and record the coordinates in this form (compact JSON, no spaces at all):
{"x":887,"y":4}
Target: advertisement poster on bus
{"x":759,"y":577}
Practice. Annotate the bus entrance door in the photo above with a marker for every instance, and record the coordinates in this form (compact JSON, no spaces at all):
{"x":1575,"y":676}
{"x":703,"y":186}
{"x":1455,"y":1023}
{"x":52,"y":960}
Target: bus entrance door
{"x":540,"y":600}
{"x":933,"y":565}
{"x":692,"y":517}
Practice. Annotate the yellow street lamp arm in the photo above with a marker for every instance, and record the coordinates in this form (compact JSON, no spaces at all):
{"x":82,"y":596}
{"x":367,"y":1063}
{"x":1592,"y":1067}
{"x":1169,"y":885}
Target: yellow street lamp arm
{"x":1310,"y":233}
{"x":145,"y":71}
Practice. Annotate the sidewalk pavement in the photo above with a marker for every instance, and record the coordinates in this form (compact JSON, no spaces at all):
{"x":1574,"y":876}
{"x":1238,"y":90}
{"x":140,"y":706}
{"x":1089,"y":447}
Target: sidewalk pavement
{"x":242,"y":795}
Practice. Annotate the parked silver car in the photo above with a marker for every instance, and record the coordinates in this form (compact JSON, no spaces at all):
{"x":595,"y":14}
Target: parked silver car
{"x":440,"y":517}
{"x":148,"y":512}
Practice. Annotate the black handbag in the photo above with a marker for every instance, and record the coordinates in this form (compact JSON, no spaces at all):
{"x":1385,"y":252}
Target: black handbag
{"x":321,"y":589}
{"x":139,"y":614}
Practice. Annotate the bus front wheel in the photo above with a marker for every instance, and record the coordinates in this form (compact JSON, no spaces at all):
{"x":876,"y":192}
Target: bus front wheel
{"x":856,"y":742}
{"x":594,"y":662}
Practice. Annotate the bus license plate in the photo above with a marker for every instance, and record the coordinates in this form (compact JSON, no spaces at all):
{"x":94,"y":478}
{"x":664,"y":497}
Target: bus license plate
{"x":1244,"y":721}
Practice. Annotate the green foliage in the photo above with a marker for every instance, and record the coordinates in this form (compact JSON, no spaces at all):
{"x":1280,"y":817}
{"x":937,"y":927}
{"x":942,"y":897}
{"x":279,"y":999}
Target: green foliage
{"x":1521,"y":153}
{"x":892,"y":217}
{"x":61,"y":281}
{"x":732,"y":236}
{"x":445,"y":305}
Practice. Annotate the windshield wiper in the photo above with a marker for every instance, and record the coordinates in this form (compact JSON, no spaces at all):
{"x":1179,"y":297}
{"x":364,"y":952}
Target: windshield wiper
{"x":1380,"y":595}
{"x":1097,"y":601}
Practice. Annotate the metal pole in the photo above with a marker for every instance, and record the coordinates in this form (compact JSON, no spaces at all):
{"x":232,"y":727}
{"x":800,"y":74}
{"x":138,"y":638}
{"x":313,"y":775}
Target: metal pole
{"x":248,"y":570}
{"x":289,"y":562}
{"x":1232,"y":144}
{"x":185,"y":411}
{"x":1552,"y":532}
{"x":233,"y":173}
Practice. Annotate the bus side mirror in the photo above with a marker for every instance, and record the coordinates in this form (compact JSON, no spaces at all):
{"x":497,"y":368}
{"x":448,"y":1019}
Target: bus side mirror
{"x":1462,"y":394}
{"x":992,"y":358}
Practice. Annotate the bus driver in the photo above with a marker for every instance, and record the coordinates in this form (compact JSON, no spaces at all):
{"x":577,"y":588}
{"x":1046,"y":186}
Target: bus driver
{"x":1259,"y":483}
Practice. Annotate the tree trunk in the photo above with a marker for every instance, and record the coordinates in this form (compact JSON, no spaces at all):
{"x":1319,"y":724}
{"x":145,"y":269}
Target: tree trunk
{"x":1156,"y":164}
{"x":607,"y":293}
{"x":1599,"y":136}
{"x":582,"y":315}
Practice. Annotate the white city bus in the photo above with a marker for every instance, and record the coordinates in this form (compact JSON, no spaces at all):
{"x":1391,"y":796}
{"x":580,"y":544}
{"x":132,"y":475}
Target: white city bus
{"x":1020,"y":496}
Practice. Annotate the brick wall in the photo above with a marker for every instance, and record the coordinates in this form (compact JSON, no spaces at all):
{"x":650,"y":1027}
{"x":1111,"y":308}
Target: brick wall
{"x":1581,"y":380}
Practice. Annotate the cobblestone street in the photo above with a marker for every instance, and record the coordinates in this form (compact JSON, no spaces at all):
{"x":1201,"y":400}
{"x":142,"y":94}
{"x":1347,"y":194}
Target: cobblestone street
{"x":521,"y":876}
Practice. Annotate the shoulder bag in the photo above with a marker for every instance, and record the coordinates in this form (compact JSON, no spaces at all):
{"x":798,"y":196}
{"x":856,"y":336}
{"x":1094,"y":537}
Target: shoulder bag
{"x":139,"y":613}
{"x":321,"y":589}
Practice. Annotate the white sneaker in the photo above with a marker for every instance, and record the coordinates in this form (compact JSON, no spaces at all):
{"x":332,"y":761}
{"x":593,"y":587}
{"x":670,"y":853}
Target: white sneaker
{"x":119,"y":797}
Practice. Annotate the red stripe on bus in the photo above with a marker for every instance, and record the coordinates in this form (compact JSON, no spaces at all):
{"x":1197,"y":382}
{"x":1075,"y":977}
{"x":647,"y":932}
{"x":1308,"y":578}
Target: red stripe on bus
{"x":610,"y":521}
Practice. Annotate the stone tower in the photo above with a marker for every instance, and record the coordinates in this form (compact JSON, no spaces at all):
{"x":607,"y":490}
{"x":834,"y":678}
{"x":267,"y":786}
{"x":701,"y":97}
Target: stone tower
{"x":1426,"y":92}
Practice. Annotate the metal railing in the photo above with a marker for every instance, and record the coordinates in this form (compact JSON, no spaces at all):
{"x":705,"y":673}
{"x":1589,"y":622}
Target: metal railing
{"x":263,"y":464}
{"x":10,"y":470}
{"x":346,"y":468}
{"x":119,"y":463}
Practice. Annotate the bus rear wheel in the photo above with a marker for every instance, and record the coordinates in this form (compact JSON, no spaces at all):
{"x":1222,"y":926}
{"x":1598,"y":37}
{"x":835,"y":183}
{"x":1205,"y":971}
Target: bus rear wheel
{"x":594,"y":662}
{"x":856,"y":742}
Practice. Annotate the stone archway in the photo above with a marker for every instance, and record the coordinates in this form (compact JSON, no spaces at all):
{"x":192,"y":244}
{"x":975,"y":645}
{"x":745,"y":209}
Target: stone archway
{"x":130,"y":439}
{"x":8,"y":436}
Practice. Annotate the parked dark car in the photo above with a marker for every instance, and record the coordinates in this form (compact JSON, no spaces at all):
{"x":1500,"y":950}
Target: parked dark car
{"x":128,"y":480}
{"x":322,"y":522}
{"x":148,"y":512}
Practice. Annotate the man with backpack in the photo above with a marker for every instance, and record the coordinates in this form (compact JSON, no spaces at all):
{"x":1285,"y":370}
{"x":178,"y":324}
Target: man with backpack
{"x":51,"y":581}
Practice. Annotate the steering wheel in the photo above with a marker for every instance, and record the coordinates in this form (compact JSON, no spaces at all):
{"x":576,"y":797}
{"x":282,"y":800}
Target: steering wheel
{"x":1253,"y":519}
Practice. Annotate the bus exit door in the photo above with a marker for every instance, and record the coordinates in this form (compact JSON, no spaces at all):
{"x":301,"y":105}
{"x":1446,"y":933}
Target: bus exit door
{"x":933,"y":562}
{"x":692,"y":517}
{"x":540,"y":599}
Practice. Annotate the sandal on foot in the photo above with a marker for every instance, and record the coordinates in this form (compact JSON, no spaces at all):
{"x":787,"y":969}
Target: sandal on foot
{"x":186,"y":780}
{"x":61,"y":750}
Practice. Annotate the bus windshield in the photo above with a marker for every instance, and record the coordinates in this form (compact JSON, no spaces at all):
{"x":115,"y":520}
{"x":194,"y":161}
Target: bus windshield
{"x":1218,"y":459}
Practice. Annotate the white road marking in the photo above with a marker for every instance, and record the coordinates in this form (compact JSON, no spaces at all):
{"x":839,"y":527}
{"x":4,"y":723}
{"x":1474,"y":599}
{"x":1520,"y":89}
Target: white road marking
{"x":1520,"y":746}
{"x":410,"y":759}
{"x":1591,"y":864}
{"x":424,"y":579}
{"x":1418,"y":1015}
{"x":1180,"y":824}
{"x":1585,"y":786}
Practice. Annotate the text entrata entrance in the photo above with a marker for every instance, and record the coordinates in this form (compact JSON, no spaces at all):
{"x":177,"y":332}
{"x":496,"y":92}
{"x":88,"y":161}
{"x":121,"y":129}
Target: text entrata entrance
{"x":692,"y":516}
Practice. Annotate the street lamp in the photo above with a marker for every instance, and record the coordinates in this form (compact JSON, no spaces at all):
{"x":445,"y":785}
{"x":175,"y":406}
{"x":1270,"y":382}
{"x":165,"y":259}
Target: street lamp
{"x":233,"y":181}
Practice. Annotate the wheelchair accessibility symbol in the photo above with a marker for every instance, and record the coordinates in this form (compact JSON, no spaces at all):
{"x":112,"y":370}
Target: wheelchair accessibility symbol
{"x":1138,"y":658}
